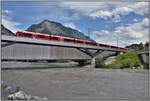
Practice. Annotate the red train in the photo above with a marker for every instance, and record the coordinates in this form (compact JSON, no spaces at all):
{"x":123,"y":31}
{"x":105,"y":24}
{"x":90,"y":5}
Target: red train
{"x":62,"y":38}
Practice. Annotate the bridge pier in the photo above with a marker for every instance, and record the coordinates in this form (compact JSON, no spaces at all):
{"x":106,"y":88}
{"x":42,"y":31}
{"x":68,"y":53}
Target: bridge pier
{"x":93,"y":62}
{"x":144,"y":58}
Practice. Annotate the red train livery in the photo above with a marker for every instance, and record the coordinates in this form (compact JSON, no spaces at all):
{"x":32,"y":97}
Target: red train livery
{"x":64,"y":39}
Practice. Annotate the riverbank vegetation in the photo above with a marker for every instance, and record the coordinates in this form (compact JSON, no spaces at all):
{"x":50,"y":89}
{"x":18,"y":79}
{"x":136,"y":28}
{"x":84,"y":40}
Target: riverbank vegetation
{"x":126,"y":60}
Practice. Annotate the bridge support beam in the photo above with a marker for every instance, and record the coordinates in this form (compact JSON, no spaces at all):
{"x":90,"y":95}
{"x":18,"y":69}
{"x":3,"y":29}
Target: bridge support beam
{"x":91,"y":54}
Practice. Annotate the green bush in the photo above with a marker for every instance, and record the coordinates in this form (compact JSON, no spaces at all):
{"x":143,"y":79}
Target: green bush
{"x":126,"y":60}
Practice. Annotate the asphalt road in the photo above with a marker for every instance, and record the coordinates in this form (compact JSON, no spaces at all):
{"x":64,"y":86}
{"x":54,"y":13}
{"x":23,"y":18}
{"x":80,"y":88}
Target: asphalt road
{"x":80,"y":83}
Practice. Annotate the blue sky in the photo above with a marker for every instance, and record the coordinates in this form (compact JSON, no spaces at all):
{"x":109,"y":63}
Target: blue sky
{"x":107,"y":21}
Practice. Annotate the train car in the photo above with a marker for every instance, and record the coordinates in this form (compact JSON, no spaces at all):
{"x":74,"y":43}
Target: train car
{"x":88,"y":43}
{"x":115,"y":47}
{"x":79,"y":41}
{"x":122,"y":48}
{"x":104,"y":45}
{"x":42,"y":36}
{"x":55,"y":38}
{"x":64,"y":39}
{"x":94,"y":43}
{"x":68,"y":39}
{"x":25,"y":34}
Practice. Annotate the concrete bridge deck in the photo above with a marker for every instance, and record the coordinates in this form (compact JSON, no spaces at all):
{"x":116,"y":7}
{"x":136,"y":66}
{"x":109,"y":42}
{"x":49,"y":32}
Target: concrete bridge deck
{"x":20,"y":48}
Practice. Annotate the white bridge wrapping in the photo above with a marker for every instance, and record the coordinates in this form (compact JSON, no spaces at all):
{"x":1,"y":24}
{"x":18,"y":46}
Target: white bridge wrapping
{"x":39,"y":52}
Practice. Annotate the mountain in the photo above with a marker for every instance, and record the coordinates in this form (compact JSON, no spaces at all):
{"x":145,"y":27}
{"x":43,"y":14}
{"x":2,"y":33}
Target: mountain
{"x":5,"y":31}
{"x":55,"y":28}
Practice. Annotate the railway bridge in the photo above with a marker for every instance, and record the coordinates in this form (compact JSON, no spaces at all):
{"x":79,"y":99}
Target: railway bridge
{"x":22,"y":48}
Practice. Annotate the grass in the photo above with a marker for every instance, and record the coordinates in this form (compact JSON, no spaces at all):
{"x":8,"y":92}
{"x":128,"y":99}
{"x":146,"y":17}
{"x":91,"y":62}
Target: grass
{"x":126,"y":60}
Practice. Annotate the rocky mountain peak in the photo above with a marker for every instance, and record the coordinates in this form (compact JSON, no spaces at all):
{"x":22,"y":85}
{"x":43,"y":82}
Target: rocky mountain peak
{"x":51,"y":27}
{"x":5,"y":31}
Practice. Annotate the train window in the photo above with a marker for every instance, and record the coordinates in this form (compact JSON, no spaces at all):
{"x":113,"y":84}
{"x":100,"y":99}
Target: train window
{"x":79,"y":41}
{"x":40,"y":36}
{"x":47,"y":37}
{"x":87,"y":43}
{"x":26,"y":35}
{"x":115,"y":47}
{"x":94,"y":44}
{"x":23,"y":34}
{"x":68,"y":40}
{"x":54,"y":38}
{"x":102,"y":45}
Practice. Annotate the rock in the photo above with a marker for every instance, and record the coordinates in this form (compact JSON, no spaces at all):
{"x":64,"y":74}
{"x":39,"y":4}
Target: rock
{"x":35,"y":97}
{"x":3,"y":87}
{"x":44,"y":98}
{"x":7,"y":90}
{"x":23,"y":96}
{"x":110,"y":60}
{"x":14,"y":93}
{"x":11,"y":89}
{"x":133,"y":67}
{"x":18,"y":96}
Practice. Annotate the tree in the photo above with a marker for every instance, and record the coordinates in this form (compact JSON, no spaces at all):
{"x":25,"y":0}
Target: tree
{"x":141,"y":46}
{"x":146,"y":46}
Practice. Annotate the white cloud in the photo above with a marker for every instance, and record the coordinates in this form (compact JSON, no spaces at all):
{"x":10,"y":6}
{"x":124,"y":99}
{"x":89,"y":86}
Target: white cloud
{"x":72,"y":17}
{"x":70,"y":24}
{"x":8,"y":22}
{"x":145,"y":22}
{"x":7,"y":11}
{"x":122,"y":11}
{"x":114,"y":11}
{"x":135,"y":20}
{"x":140,"y":8}
{"x":83,"y":7}
{"x":107,"y":9}
{"x":102,"y":14}
{"x":133,"y":33}
{"x":116,"y":19}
